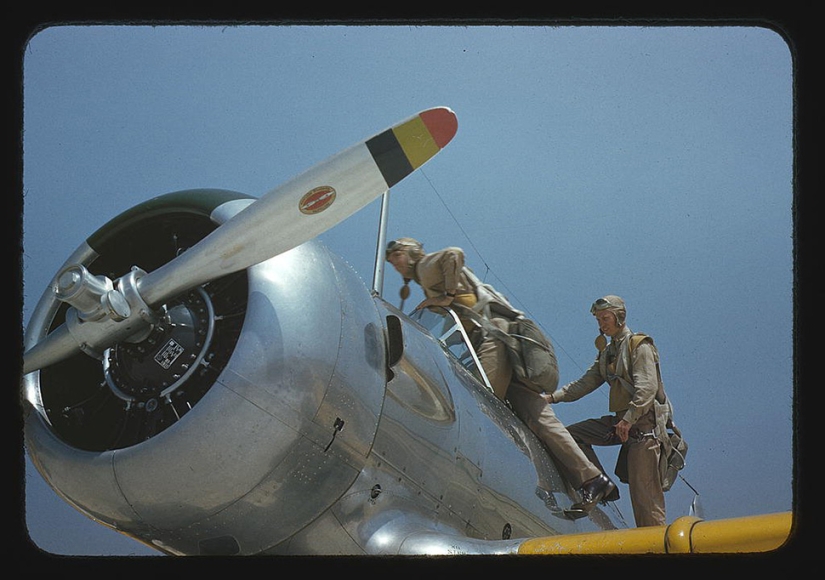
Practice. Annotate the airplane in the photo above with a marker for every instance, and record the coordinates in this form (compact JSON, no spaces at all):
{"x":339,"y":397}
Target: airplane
{"x":204,"y":376}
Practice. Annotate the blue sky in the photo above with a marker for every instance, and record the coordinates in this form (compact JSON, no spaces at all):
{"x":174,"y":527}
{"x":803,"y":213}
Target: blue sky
{"x":655,"y":163}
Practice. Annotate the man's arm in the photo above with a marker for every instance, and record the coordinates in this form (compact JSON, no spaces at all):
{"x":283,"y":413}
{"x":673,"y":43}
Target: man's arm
{"x":590,"y":381}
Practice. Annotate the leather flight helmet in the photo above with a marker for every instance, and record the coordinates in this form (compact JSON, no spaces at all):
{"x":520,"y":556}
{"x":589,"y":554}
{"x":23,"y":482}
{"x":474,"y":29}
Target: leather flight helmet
{"x":414,"y":248}
{"x":612,"y":303}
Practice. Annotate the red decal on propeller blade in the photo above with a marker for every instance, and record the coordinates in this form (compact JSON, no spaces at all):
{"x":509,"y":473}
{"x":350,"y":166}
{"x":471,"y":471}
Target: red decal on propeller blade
{"x":317,"y":200}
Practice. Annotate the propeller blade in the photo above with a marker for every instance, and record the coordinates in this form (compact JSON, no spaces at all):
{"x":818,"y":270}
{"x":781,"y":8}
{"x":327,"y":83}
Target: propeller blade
{"x":306,"y":206}
{"x":282,"y":219}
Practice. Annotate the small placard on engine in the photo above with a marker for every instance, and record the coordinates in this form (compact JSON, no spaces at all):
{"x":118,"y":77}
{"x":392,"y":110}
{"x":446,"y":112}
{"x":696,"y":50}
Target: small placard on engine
{"x":167,"y":356}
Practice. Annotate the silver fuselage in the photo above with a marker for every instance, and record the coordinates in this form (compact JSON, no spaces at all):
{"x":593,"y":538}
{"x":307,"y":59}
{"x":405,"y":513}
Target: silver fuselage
{"x":339,"y":425}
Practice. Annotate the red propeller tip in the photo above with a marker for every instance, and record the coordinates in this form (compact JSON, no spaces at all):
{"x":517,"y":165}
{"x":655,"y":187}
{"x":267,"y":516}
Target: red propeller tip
{"x":441,"y":123}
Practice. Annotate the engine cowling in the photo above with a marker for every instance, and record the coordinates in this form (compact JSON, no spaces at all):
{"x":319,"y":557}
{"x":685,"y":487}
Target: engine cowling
{"x":250,"y":394}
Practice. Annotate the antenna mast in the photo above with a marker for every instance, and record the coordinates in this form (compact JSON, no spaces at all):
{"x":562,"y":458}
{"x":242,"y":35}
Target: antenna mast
{"x":378,"y":274}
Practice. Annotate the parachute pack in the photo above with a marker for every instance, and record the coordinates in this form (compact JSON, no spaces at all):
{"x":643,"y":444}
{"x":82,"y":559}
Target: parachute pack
{"x":528,"y":349}
{"x":533,"y":359}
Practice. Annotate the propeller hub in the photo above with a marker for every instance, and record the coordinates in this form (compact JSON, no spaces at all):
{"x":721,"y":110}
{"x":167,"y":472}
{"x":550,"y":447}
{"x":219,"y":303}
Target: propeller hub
{"x":94,"y":297}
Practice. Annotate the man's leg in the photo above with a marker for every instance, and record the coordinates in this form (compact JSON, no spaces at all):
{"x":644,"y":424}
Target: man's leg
{"x":492,"y":354}
{"x":646,"y":494}
{"x":594,"y":432}
{"x":539,"y":416}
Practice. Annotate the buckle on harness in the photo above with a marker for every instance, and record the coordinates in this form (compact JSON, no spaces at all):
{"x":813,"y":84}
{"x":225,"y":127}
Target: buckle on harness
{"x":639,"y":436}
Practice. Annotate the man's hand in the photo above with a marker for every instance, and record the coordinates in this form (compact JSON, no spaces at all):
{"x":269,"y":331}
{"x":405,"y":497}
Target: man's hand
{"x":622,"y":429}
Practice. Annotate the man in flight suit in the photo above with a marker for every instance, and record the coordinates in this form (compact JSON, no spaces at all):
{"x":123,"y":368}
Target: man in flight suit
{"x":634,"y":383}
{"x":445,"y":282}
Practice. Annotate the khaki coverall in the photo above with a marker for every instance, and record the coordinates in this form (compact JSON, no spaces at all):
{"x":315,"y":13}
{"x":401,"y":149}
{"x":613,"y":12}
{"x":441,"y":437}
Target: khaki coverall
{"x":637,"y":408}
{"x":440,"y":273}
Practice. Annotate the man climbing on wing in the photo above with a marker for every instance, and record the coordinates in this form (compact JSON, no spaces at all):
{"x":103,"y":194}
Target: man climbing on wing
{"x":488,"y":317}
